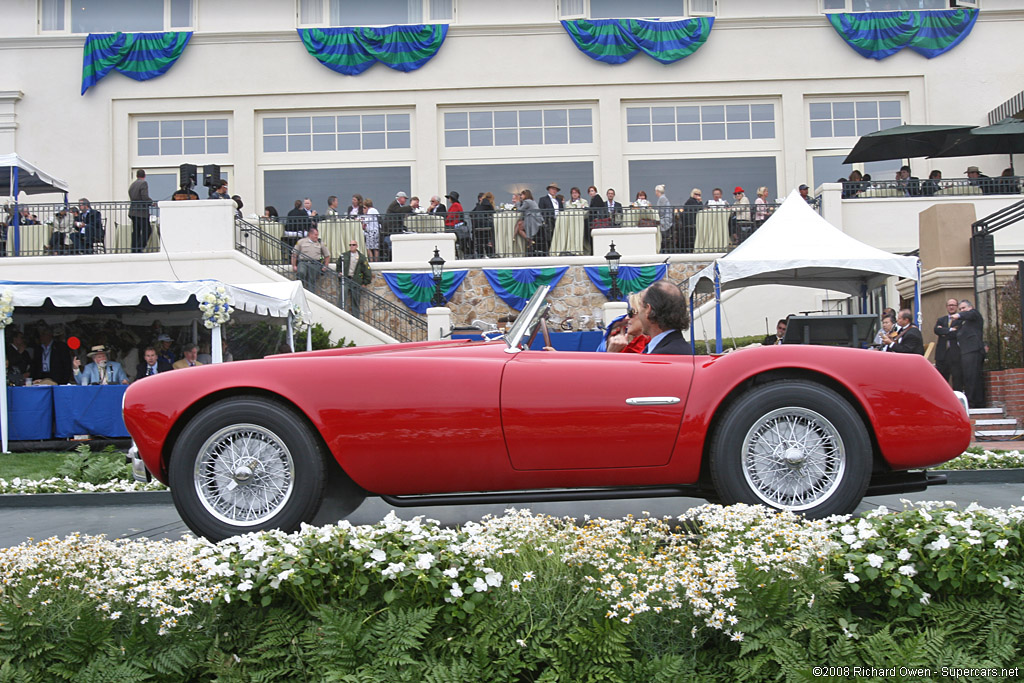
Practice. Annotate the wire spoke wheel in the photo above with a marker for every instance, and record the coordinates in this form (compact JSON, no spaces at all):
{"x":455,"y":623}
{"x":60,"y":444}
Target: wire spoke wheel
{"x":244,"y":474}
{"x":793,"y":458}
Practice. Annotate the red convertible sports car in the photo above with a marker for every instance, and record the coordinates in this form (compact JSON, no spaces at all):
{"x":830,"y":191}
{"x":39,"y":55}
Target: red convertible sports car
{"x":255,"y":445}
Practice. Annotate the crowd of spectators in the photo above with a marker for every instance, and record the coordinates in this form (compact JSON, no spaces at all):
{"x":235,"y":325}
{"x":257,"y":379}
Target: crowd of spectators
{"x":906,"y":184}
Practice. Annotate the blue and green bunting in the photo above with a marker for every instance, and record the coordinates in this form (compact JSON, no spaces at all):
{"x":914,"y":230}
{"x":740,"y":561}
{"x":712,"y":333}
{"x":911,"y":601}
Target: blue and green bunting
{"x":877,"y":35}
{"x":615,"y":41}
{"x":415,"y":290}
{"x":630,"y":278}
{"x":515,"y":286}
{"x":353,"y":50}
{"x":137,"y":55}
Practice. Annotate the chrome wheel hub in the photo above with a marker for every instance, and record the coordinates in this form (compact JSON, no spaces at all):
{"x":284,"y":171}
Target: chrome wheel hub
{"x":244,"y":474}
{"x":793,"y":458}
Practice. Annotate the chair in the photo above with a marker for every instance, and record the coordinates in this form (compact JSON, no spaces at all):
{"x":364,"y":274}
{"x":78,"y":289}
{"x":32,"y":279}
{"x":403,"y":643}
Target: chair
{"x":929,"y":350}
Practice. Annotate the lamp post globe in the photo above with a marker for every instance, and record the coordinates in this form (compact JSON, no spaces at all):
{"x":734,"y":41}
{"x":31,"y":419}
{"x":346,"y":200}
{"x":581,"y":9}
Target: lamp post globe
{"x":436,"y":268}
{"x":613,"y":258}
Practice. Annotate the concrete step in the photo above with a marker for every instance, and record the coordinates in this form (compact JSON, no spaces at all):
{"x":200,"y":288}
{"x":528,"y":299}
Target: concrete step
{"x":985,"y":411}
{"x":1000,"y":421}
{"x":998,"y":433}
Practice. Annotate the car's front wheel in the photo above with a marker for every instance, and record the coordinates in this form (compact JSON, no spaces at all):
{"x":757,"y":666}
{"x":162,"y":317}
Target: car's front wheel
{"x":794,"y":445}
{"x":246,"y":464}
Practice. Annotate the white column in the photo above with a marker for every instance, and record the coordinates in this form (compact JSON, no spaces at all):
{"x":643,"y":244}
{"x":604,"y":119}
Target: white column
{"x":831,"y":203}
{"x":439,"y":323}
{"x":613,"y":309}
{"x":216,"y":352}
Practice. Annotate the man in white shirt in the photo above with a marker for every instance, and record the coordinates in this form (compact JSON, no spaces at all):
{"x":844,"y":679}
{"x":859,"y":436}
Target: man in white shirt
{"x":716,"y":198}
{"x":152,"y":364}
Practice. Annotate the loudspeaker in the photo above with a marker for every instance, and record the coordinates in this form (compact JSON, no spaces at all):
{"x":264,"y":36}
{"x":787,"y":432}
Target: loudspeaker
{"x":983,"y":250}
{"x":186,"y":175}
{"x":211,"y":175}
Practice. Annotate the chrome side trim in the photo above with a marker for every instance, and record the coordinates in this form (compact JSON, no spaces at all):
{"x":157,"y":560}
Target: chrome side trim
{"x":652,"y":400}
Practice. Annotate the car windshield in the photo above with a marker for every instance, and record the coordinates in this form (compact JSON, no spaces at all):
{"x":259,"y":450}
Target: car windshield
{"x":528,"y":318}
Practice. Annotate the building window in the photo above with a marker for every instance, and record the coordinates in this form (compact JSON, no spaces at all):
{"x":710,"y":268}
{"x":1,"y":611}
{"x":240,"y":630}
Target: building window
{"x":108,"y":16}
{"x":693,"y":123}
{"x":182,"y":137}
{"x":327,"y":133}
{"x":512,"y":127}
{"x":853,"y":118}
{"x":379,"y":12}
{"x":638,"y":9}
{"x":834,"y":6}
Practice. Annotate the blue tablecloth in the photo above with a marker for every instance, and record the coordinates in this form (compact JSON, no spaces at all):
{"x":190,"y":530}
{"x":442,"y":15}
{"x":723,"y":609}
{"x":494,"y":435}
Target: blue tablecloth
{"x":94,"y":410}
{"x":30,"y":413}
{"x":560,"y":341}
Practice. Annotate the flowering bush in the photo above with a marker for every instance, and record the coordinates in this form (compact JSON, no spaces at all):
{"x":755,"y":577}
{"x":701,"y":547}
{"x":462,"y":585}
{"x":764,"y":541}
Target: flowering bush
{"x":216,"y":308}
{"x":69,"y":485}
{"x":6,"y":308}
{"x":978,"y":459}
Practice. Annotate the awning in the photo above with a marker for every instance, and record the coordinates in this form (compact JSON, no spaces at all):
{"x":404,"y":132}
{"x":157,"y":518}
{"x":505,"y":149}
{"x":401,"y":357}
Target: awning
{"x":30,"y":180}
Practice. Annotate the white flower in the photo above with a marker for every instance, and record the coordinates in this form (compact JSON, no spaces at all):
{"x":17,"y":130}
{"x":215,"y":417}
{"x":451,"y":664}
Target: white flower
{"x":875,"y":560}
{"x":393,"y":569}
{"x":425,"y":561}
{"x":378,"y":555}
{"x":941,"y":543}
{"x":903,"y":555}
{"x":245,"y":586}
{"x":1001,"y":543}
{"x":851,"y":577}
{"x":479,"y":585}
{"x":456,"y":591}
{"x":529,"y":576}
{"x":451,"y":572}
{"x":493,"y":578}
{"x":520,"y":642}
{"x":515,"y":586}
{"x":1007,"y":583}
{"x":907,"y":570}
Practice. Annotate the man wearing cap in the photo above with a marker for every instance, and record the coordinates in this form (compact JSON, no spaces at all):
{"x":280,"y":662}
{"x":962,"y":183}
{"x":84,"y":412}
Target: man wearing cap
{"x":979,"y":179}
{"x":189,"y":358}
{"x":100,"y":370}
{"x":393,"y":215}
{"x":310,"y":258}
{"x":549,"y":206}
{"x":740,"y":214}
{"x":163,"y":349}
{"x":803,"y":189}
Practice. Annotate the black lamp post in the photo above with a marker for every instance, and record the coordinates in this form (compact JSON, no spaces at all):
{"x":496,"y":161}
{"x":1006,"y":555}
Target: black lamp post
{"x":613,"y":270}
{"x":436,"y":267}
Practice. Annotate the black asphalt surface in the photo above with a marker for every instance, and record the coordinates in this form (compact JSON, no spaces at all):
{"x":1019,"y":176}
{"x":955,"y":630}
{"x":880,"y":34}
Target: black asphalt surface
{"x":157,"y":518}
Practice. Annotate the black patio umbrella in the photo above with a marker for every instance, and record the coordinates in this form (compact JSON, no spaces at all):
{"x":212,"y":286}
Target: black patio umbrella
{"x":903,"y":142}
{"x":1005,"y":137}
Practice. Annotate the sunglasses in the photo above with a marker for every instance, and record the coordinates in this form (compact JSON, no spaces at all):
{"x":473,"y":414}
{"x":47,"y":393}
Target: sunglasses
{"x":353,"y":244}
{"x":631,"y":313}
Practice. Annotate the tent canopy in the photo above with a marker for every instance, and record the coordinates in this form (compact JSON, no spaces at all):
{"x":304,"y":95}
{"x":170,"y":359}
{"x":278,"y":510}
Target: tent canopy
{"x":798,"y":247}
{"x":31,"y":180}
{"x":273,"y":299}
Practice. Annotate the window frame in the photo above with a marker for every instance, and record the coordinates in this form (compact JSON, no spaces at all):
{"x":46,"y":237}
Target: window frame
{"x":67,"y":19}
{"x":848,"y":141}
{"x":325,"y":14}
{"x":386,"y":155}
{"x":949,"y":4}
{"x":159,"y":160}
{"x":706,"y":146}
{"x":688,"y":11}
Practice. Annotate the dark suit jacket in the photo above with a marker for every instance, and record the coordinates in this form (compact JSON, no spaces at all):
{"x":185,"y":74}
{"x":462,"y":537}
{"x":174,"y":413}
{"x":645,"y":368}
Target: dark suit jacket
{"x":138,"y":193}
{"x":93,"y":230}
{"x":947,"y":346}
{"x":547,"y":205}
{"x":674,"y":343}
{"x":161,"y":366}
{"x":910,"y":341}
{"x":364,"y":275}
{"x":968,"y":331}
{"x":60,"y":364}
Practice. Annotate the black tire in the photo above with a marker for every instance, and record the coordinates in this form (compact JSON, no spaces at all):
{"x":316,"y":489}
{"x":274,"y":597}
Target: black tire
{"x":246,"y":464}
{"x":793,"y":445}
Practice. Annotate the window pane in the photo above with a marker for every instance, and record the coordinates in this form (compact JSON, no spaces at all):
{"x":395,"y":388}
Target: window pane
{"x":889,"y":109}
{"x":273,"y":143}
{"x":216,"y":126}
{"x":644,"y":9}
{"x":843,"y":128}
{"x":842,"y":110}
{"x":867,"y":110}
{"x":821,"y":110}
{"x":580,"y":117}
{"x":573,"y":8}
{"x":638,"y":133}
{"x":456,"y":138}
{"x":555,"y":117}
{"x":530,"y":136}
{"x":440,"y":10}
{"x":762,"y":131}
{"x":663,"y":114}
{"x":362,"y":13}
{"x":762,"y":112}
{"x":195,"y":129}
{"x":348,"y":124}
{"x":712,"y":113}
{"x":311,"y":11}
{"x":52,"y":15}
{"x":663,"y":133}
{"x":170,"y":146}
{"x":821,"y":129}
{"x":281,"y":187}
{"x":149,"y":147}
{"x":506,"y":136}
{"x":737,"y":112}
{"x":889,"y":123}
{"x":298,"y":124}
{"x":374,"y":141}
{"x":106,"y":16}
{"x":323,"y":142}
{"x":398,"y":122}
{"x":195,"y":145}
{"x":581,"y":135}
{"x":713,"y":131}
{"x":688,"y":114}
{"x":170,"y":129}
{"x":181,"y":13}
{"x":529,"y":117}
{"x":348,"y":141}
{"x":373,"y":122}
{"x":738,"y":131}
{"x":399,"y":140}
{"x":556,"y":136}
{"x":299,"y":143}
{"x":506,"y":119}
{"x":638,"y":115}
{"x":216,"y":145}
{"x":481,"y":119}
{"x":149,"y":129}
{"x":688,"y":133}
{"x":481,"y":138}
{"x":323,"y":124}
{"x":456,"y":120}
{"x":866,"y":126}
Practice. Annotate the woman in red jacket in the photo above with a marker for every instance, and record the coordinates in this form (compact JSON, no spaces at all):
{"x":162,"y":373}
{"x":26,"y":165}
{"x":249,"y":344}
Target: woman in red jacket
{"x":632,"y":339}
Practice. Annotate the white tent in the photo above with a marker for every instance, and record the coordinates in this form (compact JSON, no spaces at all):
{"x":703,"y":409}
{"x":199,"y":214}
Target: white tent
{"x":18,"y":175}
{"x":797,"y":247}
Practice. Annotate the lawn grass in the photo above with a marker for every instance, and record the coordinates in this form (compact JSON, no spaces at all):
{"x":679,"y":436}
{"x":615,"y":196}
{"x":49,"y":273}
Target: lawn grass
{"x":40,"y":465}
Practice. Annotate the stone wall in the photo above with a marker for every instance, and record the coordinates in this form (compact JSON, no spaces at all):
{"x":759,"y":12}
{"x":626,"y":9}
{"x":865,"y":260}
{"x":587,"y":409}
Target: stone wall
{"x":574,"y":296}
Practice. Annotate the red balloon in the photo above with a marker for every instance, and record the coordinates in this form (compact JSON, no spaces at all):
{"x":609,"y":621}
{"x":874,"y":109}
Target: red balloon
{"x":74,"y":343}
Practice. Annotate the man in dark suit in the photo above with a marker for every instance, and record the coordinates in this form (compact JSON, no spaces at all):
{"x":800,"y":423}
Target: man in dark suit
{"x":909,"y":339}
{"x":663,"y":317}
{"x":947,"y":350}
{"x":90,"y":227}
{"x":908,"y":184}
{"x":613,"y":209}
{"x":52,"y":359}
{"x":550,"y":206}
{"x":969,"y":327}
{"x":152,"y":364}
{"x":138,"y":193}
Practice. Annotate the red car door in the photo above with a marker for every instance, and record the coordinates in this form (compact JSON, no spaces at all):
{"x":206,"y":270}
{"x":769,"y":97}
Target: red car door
{"x":592,"y":410}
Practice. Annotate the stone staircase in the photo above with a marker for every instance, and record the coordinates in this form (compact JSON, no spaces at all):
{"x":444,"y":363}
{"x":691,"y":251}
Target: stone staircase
{"x":992,"y":424}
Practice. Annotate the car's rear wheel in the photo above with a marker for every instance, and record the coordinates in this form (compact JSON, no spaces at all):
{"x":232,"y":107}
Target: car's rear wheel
{"x":246,"y":464}
{"x":793,"y":445}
